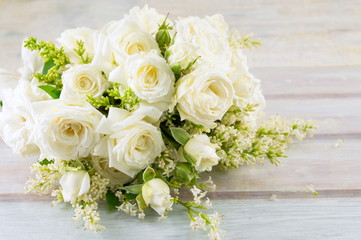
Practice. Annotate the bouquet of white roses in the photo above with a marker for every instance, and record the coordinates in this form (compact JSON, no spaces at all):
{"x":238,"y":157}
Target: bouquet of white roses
{"x":135,"y":111}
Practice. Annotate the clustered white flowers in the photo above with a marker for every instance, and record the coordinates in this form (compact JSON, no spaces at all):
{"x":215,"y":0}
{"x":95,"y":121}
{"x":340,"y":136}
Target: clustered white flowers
{"x":134,"y":111}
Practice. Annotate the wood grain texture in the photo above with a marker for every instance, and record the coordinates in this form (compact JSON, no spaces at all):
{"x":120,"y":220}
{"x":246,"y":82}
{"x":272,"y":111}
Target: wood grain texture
{"x":302,"y":33}
{"x":288,"y":219}
{"x":309,"y":64}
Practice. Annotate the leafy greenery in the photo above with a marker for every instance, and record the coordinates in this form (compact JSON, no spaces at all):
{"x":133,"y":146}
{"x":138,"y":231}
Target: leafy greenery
{"x":80,"y":50}
{"x":163,"y":37}
{"x":115,"y":97}
{"x":180,"y":72}
{"x":180,"y":135}
{"x":246,"y":41}
{"x":52,"y":91}
{"x":133,"y":189}
{"x":54,"y":58}
{"x":112,"y":200}
{"x":149,"y":174}
{"x":45,"y":162}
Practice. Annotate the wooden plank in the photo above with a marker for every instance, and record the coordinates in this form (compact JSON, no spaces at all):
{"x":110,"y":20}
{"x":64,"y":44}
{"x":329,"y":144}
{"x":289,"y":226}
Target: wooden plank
{"x":306,"y":33}
{"x":312,"y":219}
{"x":317,"y":162}
{"x":309,"y":82}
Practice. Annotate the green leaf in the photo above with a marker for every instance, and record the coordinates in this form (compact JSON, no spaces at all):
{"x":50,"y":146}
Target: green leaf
{"x":1,"y":103}
{"x":141,"y":203}
{"x":79,"y":164}
{"x":52,"y":91}
{"x":167,"y":135}
{"x":187,"y":157}
{"x":187,"y":69}
{"x":149,"y":174}
{"x":112,"y":200}
{"x":183,"y":172}
{"x":49,"y":64}
{"x":130,"y":196}
{"x":135,"y":189}
{"x":46,"y":162}
{"x":180,"y":135}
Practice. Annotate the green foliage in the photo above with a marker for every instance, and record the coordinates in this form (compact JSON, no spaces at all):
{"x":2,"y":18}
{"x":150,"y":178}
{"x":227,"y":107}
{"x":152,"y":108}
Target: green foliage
{"x":80,"y":50}
{"x":112,"y":200}
{"x":180,"y":72}
{"x":47,"y":66}
{"x":246,"y":41}
{"x":115,"y":97}
{"x":184,"y":173}
{"x":149,"y":174}
{"x":141,"y":203}
{"x":133,"y":189}
{"x":163,"y":37}
{"x":52,"y":91}
{"x":45,"y":162}
{"x":54,"y":58}
{"x":180,"y":135}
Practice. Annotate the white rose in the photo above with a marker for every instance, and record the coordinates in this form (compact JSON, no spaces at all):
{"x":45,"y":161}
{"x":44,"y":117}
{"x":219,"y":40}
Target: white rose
{"x":82,"y":80}
{"x":213,"y":47}
{"x":204,"y":96}
{"x":203,"y":152}
{"x":127,"y":38}
{"x":69,"y":38}
{"x":149,"y":76}
{"x":103,"y":56}
{"x":247,"y":88}
{"x":101,"y":165}
{"x":218,"y":23}
{"x":182,"y":53}
{"x":32,"y":63}
{"x":156,"y":193}
{"x":16,"y":120}
{"x":74,"y":184}
{"x":132,"y":144}
{"x":65,"y":132}
{"x":8,"y":80}
{"x":242,"y":79}
{"x":147,"y":18}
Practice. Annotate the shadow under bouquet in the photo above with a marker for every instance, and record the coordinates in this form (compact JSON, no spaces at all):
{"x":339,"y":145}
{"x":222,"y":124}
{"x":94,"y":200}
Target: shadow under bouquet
{"x":138,"y":110}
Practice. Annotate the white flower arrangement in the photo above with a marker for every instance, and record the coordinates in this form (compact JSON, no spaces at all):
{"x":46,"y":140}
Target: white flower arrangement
{"x":135,"y":111}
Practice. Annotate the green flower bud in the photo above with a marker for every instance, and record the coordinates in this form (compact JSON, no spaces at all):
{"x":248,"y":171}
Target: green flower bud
{"x":163,"y":38}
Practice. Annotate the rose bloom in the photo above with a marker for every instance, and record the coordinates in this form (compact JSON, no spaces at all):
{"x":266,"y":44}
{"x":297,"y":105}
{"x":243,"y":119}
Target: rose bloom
{"x":126,"y":38}
{"x":208,"y":35}
{"x":204,"y":96}
{"x":101,"y":165}
{"x":16,"y":120}
{"x":69,"y":38}
{"x":149,"y":76}
{"x":82,"y":80}
{"x":74,"y":184}
{"x":202,"y":152}
{"x":147,"y":18}
{"x":131,"y":143}
{"x":156,"y":193}
{"x":182,"y":53}
{"x":65,"y":132}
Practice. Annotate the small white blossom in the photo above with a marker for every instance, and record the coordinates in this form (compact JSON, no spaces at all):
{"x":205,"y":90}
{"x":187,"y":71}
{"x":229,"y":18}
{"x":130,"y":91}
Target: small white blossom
{"x":141,"y":215}
{"x":198,"y":224}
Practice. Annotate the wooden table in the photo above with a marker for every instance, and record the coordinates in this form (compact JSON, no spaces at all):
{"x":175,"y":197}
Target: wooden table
{"x":310,"y":65}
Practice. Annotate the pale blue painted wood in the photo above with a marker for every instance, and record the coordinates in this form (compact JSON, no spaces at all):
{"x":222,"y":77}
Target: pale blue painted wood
{"x":285,"y":219}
